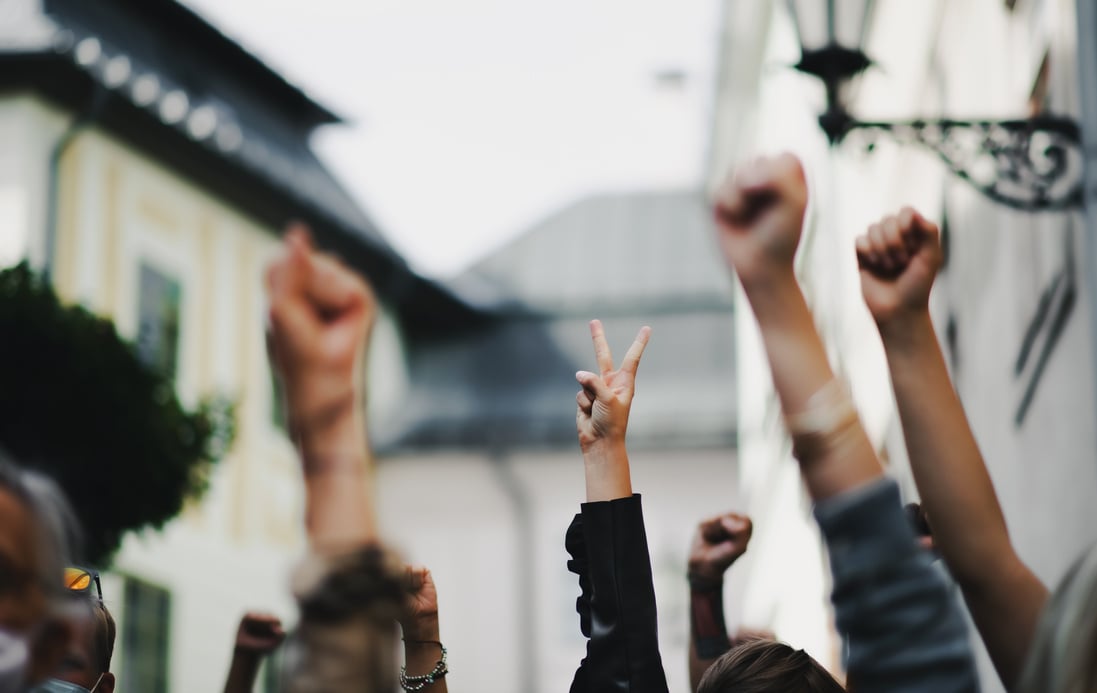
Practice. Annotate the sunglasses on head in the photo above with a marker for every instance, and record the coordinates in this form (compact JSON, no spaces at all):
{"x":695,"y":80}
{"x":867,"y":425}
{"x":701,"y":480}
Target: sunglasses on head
{"x":79,"y":580}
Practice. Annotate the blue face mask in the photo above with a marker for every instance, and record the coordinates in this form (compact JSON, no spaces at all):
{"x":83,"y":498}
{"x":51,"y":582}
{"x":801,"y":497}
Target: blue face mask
{"x":59,"y":686}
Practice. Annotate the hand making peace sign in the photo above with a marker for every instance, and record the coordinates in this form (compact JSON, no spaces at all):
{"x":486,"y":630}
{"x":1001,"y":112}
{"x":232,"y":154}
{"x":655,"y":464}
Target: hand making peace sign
{"x":606,"y":397}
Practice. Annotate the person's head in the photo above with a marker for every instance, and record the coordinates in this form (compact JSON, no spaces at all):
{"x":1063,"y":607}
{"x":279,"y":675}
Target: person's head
{"x":762,"y":666}
{"x":87,"y":660}
{"x":36,"y":535}
{"x":1061,"y":659}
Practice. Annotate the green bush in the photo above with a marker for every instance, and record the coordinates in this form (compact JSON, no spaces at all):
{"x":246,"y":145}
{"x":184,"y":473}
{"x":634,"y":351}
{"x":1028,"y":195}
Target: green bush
{"x":77,"y":404}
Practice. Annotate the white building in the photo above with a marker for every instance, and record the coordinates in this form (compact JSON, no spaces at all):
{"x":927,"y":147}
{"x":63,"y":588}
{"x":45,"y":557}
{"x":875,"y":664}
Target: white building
{"x":481,"y":472}
{"x":1013,"y":304}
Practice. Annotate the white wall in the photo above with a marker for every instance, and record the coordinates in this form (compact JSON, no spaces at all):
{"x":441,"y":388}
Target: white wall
{"x":969,"y":59}
{"x":29,"y":128}
{"x":452,"y":514}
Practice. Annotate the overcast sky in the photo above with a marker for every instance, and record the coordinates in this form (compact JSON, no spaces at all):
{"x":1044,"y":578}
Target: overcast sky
{"x":470,"y":120}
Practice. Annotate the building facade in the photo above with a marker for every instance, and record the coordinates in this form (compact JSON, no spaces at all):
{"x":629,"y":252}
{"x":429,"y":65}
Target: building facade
{"x":480,"y":473}
{"x":148,"y":163}
{"x":1012,"y":305}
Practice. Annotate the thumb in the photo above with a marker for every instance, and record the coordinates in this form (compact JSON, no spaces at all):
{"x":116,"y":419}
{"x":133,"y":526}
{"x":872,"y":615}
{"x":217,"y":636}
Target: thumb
{"x":594,"y":384}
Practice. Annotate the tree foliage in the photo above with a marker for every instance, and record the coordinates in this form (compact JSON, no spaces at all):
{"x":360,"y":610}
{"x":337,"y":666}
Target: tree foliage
{"x":77,"y":404}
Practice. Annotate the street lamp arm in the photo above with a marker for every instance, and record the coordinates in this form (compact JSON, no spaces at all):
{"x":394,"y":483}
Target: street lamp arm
{"x":1034,"y":164}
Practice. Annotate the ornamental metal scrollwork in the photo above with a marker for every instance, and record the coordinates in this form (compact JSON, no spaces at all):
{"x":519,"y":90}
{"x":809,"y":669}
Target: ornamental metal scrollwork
{"x":1030,"y":165}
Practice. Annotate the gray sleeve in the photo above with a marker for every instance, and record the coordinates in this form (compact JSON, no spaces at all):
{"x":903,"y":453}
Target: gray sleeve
{"x":902,"y":627}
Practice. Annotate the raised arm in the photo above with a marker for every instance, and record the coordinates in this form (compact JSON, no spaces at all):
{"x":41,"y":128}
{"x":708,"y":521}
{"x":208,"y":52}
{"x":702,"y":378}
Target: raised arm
{"x":903,"y":630}
{"x":321,"y":317}
{"x":601,"y":418}
{"x":760,"y":213}
{"x":899,"y":259}
{"x":717,"y":543}
{"x":349,"y":589}
{"x":425,"y":657}
{"x":607,"y":542}
{"x":257,"y":636}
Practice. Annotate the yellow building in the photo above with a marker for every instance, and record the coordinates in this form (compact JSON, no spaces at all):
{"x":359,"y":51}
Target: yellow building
{"x":147,"y":162}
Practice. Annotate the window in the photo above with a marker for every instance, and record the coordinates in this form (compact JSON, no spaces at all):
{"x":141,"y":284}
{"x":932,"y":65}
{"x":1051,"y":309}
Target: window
{"x":158,"y":320}
{"x":145,"y":627}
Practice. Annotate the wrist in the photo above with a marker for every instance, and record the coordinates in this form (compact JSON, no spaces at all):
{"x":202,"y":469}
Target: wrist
{"x":773,"y":296}
{"x":905,"y":328}
{"x":245,"y":660}
{"x":605,"y":450}
{"x":421,"y":631}
{"x":765,"y":277}
{"x":341,"y":434}
{"x":606,"y":468}
{"x":703,"y":579}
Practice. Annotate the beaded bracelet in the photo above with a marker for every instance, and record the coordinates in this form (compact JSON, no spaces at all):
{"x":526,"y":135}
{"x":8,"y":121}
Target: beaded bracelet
{"x":418,"y":683}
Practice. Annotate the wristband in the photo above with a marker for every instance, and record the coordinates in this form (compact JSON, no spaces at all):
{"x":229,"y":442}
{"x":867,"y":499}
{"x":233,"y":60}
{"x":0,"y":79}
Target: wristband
{"x":826,"y":419}
{"x":710,"y":634}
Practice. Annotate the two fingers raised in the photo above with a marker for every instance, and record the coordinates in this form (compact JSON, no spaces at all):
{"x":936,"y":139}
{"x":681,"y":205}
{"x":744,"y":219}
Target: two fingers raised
{"x":594,"y":385}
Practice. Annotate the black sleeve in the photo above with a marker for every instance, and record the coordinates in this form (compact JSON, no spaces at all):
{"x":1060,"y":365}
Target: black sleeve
{"x":609,"y":553}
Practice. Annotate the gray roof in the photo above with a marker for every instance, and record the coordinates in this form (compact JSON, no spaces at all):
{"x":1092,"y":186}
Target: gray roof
{"x":159,"y":77}
{"x":160,"y":58}
{"x":608,"y":252}
{"x":636,"y":259}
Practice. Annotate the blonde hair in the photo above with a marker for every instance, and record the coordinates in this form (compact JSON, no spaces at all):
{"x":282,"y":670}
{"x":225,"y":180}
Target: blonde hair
{"x":1063,"y":656}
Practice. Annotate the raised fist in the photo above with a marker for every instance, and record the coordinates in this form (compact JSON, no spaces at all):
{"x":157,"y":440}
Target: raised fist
{"x":420,"y":614}
{"x":899,"y":258}
{"x":259,"y":634}
{"x":321,"y":314}
{"x":760,"y":212}
{"x":717,"y":543}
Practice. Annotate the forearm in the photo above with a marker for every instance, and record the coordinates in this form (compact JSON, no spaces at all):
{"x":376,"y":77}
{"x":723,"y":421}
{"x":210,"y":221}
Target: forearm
{"x":242,"y":672}
{"x":606,"y":468}
{"x":338,"y":482}
{"x":800,"y":369}
{"x":422,"y":651}
{"x":708,"y":638}
{"x":969,"y":529}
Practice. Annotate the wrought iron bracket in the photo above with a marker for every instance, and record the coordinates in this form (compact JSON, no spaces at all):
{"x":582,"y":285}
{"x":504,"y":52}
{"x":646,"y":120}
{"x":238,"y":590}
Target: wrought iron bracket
{"x":1031,"y":165}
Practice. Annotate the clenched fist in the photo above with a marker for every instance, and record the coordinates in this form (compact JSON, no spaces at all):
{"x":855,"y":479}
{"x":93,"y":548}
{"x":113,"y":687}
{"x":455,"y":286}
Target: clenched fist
{"x":718,"y":542}
{"x":760,"y":212}
{"x":899,"y":258}
{"x":321,"y":314}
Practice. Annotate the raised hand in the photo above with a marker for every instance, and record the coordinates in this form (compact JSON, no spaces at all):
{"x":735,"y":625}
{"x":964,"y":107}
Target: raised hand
{"x":606,"y":397}
{"x":899,"y":258}
{"x":718,"y":542}
{"x":759,"y":212}
{"x":321,"y":314}
{"x":423,"y":649}
{"x":259,"y":634}
{"x":420,"y":616}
